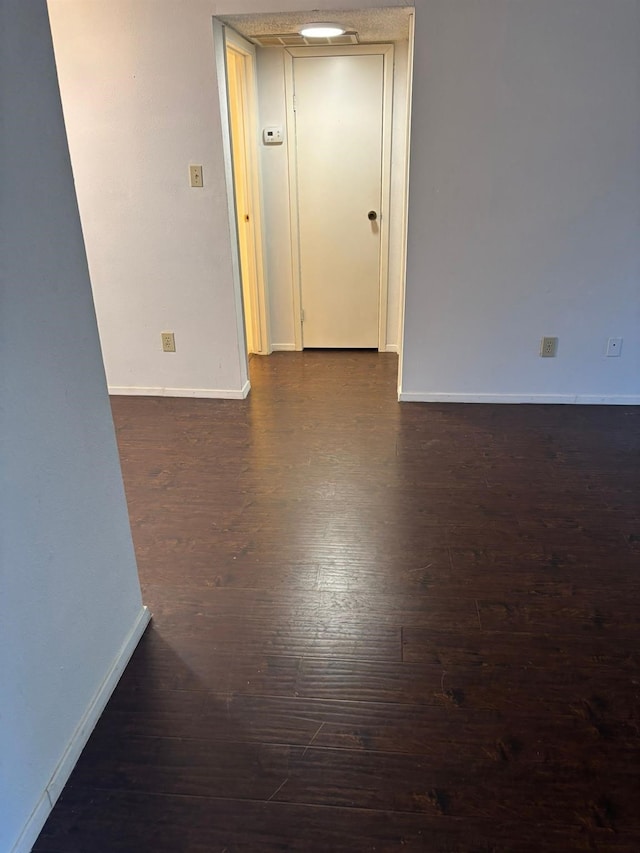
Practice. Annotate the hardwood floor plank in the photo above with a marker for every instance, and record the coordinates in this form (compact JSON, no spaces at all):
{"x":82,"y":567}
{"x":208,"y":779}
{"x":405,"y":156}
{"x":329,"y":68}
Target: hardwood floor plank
{"x":535,"y":648}
{"x":580,"y":617}
{"x":508,"y":689}
{"x":168,"y":824}
{"x":322,"y":637}
{"x":447,"y":782}
{"x":429,"y":730}
{"x":333,"y":607}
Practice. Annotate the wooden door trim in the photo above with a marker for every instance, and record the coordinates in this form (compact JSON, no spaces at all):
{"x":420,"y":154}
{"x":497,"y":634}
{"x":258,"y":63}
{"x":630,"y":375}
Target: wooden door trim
{"x":387,"y":52}
{"x":220,"y":53}
{"x":225,"y":37}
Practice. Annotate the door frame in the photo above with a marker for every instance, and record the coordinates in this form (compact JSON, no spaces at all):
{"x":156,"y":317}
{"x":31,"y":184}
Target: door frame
{"x":254,"y":292}
{"x":387,"y":52}
{"x":224,"y":37}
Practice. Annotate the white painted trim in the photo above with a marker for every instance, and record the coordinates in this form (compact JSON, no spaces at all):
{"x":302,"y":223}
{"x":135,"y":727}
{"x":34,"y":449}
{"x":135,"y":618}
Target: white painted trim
{"x":33,"y":827}
{"x":405,"y":220}
{"x":387,"y":53}
{"x":385,"y":212}
{"x":392,"y":348}
{"x":220,"y":51}
{"x":283,"y":347}
{"x":292,"y":162}
{"x":207,"y":393}
{"x":608,"y":399}
{"x":260,"y":308}
{"x":575,"y":399}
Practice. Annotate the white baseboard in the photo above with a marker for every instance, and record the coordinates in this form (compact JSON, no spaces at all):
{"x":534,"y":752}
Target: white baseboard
{"x":566,"y":399}
{"x":33,"y":827}
{"x":292,"y":348}
{"x":37,"y":820}
{"x":205,"y":393}
{"x":608,"y":400}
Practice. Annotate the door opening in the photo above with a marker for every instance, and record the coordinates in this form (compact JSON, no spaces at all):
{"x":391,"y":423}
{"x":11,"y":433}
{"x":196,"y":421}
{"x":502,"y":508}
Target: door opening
{"x":388,"y":34}
{"x":240,"y":78}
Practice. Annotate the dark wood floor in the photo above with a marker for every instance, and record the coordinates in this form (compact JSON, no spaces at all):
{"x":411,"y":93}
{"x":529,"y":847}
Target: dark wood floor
{"x":376,"y":626}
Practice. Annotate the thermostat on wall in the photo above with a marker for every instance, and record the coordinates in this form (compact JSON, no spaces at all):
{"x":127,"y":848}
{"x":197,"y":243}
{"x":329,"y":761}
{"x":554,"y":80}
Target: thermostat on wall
{"x":272,"y":136}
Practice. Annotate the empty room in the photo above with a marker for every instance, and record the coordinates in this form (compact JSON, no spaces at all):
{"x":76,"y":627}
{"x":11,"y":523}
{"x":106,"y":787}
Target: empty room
{"x":320,"y":385}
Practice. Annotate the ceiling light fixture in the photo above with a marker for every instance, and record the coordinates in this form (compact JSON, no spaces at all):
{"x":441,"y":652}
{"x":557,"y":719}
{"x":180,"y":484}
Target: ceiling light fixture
{"x":321,"y":31}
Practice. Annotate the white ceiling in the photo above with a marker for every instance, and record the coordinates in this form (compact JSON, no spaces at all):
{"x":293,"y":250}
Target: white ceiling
{"x":372,"y":25}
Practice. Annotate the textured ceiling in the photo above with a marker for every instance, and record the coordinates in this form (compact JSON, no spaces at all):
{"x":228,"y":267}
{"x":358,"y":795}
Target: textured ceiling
{"x":372,"y":25}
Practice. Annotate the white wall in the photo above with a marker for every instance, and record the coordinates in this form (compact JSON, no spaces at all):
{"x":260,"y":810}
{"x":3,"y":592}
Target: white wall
{"x":141,"y":104}
{"x":275,"y":179}
{"x":70,"y":608}
{"x":524,"y":193}
{"x":524,"y":201}
{"x":276,"y":223}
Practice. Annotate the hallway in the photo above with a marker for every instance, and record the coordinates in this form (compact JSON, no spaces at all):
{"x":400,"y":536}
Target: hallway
{"x":377,"y":626}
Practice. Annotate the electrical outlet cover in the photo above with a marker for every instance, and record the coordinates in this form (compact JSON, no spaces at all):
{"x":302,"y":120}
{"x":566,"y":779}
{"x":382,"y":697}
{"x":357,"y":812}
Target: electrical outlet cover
{"x":195,"y":176}
{"x":168,"y":341}
{"x":549,"y":347}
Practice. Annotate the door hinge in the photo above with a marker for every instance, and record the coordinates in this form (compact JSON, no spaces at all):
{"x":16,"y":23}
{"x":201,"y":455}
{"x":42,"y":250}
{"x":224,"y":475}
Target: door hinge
{"x":295,"y":103}
{"x":302,"y":315}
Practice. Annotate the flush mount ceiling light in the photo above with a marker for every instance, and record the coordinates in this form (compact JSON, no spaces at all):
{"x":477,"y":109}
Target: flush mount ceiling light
{"x":321,"y":30}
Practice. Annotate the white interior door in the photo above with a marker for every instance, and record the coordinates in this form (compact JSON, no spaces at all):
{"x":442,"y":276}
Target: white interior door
{"x":339,"y":104}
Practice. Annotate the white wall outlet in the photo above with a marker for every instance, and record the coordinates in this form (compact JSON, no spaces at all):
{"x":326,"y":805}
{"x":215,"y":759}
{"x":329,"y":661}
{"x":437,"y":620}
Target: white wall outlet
{"x":549,"y":347}
{"x":168,"y":341}
{"x":195,"y":176}
{"x":614,"y":347}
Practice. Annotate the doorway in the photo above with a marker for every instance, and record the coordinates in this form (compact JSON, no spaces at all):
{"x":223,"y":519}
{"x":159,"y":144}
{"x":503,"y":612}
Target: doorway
{"x":241,"y":85}
{"x":340,"y":160}
{"x":286,"y":293}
